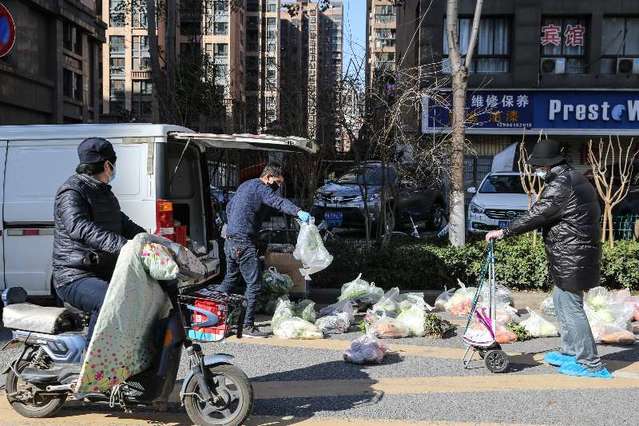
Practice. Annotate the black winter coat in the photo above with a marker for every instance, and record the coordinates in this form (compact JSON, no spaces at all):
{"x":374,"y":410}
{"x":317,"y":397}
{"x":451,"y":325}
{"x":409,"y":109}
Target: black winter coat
{"x":87,"y":219}
{"x":568,"y":211}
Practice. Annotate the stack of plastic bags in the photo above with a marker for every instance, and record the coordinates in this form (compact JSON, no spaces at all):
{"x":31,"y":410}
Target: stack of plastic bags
{"x":610,"y":314}
{"x":337,"y":319}
{"x":275,"y":285}
{"x":398,"y":315}
{"x":361,"y":292}
{"x":295,"y":321}
{"x":310,"y":250}
{"x":538,"y":326}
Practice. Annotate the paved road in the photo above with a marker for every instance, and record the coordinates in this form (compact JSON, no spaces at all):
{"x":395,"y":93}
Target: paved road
{"x":421,"y":382}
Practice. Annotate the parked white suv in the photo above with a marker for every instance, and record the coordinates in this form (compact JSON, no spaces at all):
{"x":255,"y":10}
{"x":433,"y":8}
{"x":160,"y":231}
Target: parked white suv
{"x":499,"y":199}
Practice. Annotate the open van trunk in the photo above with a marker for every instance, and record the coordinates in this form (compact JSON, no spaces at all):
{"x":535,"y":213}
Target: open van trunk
{"x":186,"y":181}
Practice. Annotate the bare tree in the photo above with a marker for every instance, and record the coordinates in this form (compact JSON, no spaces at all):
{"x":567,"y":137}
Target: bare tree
{"x":532,"y":184}
{"x":459,"y":72}
{"x":612,"y":166}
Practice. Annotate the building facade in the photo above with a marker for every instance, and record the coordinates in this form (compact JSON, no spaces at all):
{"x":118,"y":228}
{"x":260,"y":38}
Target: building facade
{"x":381,"y":33}
{"x":568,"y":70}
{"x":52,"y":74}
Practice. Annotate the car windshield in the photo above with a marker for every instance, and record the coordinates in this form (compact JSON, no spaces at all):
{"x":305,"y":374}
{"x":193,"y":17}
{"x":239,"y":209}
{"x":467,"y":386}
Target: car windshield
{"x":367,"y":176}
{"x":502,"y":184}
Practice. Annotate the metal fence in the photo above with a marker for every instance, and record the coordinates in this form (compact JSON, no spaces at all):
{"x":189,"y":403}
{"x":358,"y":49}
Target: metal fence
{"x":624,"y":226}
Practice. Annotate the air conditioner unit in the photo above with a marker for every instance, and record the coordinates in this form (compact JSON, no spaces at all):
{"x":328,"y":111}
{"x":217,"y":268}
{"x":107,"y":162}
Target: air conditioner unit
{"x":627,"y":65}
{"x":553,"y":65}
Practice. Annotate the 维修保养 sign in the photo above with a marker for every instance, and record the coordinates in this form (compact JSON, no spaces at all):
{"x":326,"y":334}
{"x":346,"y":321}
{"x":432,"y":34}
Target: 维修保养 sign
{"x":7,"y":31}
{"x":554,"y":111}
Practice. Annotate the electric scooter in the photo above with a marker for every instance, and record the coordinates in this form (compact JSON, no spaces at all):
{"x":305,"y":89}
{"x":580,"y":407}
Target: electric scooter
{"x":44,"y":375}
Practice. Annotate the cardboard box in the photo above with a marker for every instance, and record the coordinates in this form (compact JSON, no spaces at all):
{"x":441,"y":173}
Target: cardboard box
{"x":285,"y":263}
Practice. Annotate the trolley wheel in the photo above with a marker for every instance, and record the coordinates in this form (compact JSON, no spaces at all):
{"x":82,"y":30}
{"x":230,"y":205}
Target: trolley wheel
{"x":496,"y":361}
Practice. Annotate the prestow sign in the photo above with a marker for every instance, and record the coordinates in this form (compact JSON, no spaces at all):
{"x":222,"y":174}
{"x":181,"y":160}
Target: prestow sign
{"x":554,"y":111}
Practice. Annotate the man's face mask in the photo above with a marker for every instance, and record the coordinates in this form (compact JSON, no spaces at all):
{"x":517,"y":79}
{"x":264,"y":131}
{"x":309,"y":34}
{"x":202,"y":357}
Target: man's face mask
{"x":112,"y":177}
{"x":541,"y":173}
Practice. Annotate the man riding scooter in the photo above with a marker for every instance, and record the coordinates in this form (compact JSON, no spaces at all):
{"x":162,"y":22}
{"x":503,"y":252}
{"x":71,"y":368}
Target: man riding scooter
{"x":243,"y":226}
{"x":90,"y":230}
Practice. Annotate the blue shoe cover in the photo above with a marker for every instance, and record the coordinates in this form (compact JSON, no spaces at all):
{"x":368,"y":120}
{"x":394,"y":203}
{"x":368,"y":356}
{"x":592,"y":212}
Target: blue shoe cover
{"x":558,"y":359}
{"x":579,"y":370}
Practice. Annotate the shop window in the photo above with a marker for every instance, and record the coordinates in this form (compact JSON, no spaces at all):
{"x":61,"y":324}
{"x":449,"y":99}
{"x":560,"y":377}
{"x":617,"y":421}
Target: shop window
{"x":492,"y":54}
{"x":620,"y":45}
{"x":563,"y":45}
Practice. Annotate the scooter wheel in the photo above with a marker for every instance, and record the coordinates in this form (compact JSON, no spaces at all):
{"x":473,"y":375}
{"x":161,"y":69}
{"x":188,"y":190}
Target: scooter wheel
{"x":38,"y":407}
{"x":496,"y":361}
{"x":234,"y":393}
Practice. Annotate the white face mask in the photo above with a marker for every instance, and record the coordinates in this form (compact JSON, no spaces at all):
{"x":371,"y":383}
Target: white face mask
{"x":112,"y":178}
{"x":541,"y":173}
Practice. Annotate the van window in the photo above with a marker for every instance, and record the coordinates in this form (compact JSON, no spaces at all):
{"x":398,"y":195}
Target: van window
{"x":186,"y":181}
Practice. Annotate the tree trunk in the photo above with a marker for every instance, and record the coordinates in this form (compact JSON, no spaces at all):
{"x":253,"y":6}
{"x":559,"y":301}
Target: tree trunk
{"x":457,"y":219}
{"x":611,"y":236}
{"x":171,"y":59}
{"x":154,"y":54}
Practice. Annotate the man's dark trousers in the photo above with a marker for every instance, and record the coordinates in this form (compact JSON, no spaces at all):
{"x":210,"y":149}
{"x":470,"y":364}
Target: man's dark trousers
{"x":242,"y":259}
{"x":86,"y":294}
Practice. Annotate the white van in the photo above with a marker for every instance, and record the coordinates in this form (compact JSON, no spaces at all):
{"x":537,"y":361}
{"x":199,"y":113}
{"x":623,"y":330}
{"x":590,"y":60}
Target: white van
{"x":162,"y":178}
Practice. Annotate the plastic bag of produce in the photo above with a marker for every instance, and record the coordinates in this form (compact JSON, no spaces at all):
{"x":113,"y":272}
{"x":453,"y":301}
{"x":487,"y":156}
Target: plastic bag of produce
{"x":414,"y":318}
{"x":361,"y":291}
{"x":598,"y":298}
{"x":505,"y":314}
{"x":388,"y":304}
{"x":276,"y":283}
{"x":502,"y":296}
{"x":609,"y":324}
{"x":548,"y":307}
{"x":345,"y":306}
{"x":306,"y":310}
{"x":504,"y":336}
{"x":310,"y":250}
{"x":443,"y":298}
{"x":365,"y":349}
{"x":389,"y":328}
{"x":297,"y":328}
{"x":283,"y":311}
{"x":612,"y":335}
{"x":334,"y":324}
{"x":461,"y":302}
{"x":538,"y":326}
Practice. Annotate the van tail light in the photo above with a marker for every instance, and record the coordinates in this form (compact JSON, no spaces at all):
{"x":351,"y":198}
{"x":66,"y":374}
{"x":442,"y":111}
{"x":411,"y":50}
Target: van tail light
{"x":164,"y":219}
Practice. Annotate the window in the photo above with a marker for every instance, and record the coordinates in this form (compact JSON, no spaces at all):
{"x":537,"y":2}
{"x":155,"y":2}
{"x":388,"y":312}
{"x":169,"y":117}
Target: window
{"x":72,"y":38}
{"x":220,"y":28}
{"x":138,"y":14}
{"x":252,"y":5}
{"x":117,"y":13}
{"x":502,"y":184}
{"x":385,"y":14}
{"x":72,"y":85}
{"x":142,"y":100}
{"x":620,"y":39}
{"x":116,"y":67}
{"x":492,"y":53}
{"x":116,"y":92}
{"x":563,"y":37}
{"x":116,"y":46}
{"x":385,"y":37}
{"x":221,"y":49}
{"x":140,"y":53}
{"x":271,"y":6}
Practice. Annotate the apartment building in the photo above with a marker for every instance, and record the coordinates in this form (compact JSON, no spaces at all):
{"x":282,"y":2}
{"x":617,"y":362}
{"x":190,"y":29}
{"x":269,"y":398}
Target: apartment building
{"x":52,"y":72}
{"x":381,"y":28}
{"x":568,"y":69}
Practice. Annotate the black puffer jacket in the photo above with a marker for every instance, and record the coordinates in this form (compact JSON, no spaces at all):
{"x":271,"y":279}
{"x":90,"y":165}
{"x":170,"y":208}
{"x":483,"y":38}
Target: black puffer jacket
{"x":87,"y":218}
{"x":568,"y":212}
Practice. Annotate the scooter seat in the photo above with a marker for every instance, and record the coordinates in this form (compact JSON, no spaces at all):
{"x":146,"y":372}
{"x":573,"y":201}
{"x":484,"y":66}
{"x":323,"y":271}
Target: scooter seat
{"x":38,"y":319}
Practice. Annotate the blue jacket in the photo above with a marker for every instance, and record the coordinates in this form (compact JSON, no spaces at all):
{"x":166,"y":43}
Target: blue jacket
{"x":243,"y":209}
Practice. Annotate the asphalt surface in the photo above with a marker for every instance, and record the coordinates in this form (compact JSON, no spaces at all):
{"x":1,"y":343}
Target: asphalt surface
{"x":300,"y":382}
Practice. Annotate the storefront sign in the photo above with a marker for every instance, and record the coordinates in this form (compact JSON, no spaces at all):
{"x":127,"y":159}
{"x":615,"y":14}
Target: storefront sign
{"x":7,"y":31}
{"x":508,"y":110}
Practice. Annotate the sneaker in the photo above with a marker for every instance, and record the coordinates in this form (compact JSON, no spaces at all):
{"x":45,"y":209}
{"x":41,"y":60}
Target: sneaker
{"x":557,"y":359}
{"x":253,"y":332}
{"x":578,"y":370}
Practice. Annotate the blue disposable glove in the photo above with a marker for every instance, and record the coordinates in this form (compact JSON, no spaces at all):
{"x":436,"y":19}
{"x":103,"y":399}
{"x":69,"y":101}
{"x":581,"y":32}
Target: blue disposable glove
{"x":304,"y":216}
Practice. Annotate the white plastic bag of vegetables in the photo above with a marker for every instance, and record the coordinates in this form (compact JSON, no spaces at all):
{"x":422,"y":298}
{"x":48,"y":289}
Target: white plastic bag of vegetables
{"x":276,"y":283}
{"x":361,"y":291}
{"x":310,"y":250}
{"x":365,"y":349}
{"x":388,"y":304}
{"x":297,"y":328}
{"x":538,"y":326}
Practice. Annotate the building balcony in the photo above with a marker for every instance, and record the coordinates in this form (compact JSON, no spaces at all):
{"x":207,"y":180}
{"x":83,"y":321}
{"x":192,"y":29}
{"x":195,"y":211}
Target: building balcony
{"x":141,"y":75}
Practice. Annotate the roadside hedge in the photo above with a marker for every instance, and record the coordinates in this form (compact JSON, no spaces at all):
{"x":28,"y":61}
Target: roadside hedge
{"x":427,"y":265}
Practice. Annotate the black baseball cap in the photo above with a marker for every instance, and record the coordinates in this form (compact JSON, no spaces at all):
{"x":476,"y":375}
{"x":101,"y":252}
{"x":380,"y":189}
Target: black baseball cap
{"x":96,"y":150}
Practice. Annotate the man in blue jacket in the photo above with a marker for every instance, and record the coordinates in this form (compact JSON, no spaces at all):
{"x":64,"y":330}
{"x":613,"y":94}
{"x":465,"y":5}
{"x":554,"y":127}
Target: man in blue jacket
{"x":243,"y":212}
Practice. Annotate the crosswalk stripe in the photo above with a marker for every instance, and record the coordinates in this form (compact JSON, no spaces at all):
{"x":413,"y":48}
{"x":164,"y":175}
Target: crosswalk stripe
{"x":434,"y":384}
